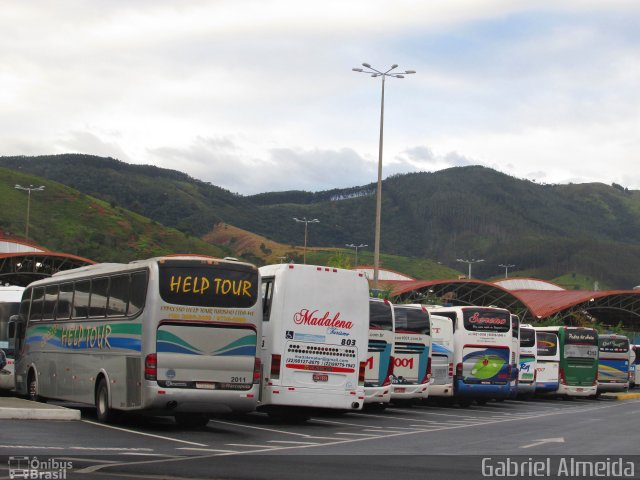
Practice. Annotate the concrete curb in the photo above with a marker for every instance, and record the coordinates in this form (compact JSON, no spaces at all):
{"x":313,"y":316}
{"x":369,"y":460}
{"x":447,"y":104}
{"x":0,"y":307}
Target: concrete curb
{"x":622,"y":396}
{"x":19,"y":409}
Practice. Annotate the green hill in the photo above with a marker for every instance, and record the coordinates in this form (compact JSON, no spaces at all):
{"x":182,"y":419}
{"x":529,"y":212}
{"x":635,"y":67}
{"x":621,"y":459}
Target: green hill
{"x":592,"y":230}
{"x":65,"y":220}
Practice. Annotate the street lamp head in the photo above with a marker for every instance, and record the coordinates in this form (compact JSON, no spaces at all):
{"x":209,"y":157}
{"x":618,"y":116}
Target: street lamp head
{"x":357,"y":69}
{"x":399,"y":76}
{"x":395,"y":65}
{"x":366,"y":65}
{"x":408,"y":72}
{"x":315,"y":220}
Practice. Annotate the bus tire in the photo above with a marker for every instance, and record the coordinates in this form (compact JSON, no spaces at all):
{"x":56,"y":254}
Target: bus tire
{"x":32,"y":387}
{"x":104,"y":412}
{"x":464,"y":403}
{"x":482,"y":401}
{"x":191,"y":420}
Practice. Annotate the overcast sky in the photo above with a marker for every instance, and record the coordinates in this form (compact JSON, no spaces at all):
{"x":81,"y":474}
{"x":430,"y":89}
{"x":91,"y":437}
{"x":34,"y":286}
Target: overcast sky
{"x":258,"y":96}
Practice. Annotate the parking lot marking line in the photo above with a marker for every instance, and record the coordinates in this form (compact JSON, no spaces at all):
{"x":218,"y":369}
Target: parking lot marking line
{"x":274,"y":430}
{"x":345,"y":423}
{"x":384,"y":431}
{"x":250,"y":445}
{"x":110,"y":449}
{"x":296,"y":443}
{"x":359,"y":434}
{"x":442,"y":414}
{"x":146,"y":434}
{"x":37,"y":447}
{"x":196,"y":449}
{"x":138,"y":454}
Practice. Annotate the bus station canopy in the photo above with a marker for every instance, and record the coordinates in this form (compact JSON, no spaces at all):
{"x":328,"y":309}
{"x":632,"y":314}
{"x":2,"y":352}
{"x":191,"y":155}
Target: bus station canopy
{"x":22,"y":263}
{"x":609,"y":307}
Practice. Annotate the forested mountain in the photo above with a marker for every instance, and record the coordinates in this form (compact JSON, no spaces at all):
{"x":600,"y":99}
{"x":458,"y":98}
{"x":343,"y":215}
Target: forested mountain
{"x":464,"y":212}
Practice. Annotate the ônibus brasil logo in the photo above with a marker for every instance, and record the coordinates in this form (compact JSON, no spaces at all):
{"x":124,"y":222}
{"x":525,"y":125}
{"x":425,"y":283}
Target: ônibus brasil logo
{"x":308,"y":317}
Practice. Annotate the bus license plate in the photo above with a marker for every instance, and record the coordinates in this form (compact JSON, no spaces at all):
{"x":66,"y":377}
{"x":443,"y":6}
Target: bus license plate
{"x":320,"y":377}
{"x":206,"y":385}
{"x":399,"y":389}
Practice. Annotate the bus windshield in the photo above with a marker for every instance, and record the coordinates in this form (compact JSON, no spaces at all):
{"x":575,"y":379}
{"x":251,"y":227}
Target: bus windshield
{"x":547,"y":344}
{"x":207,"y":284}
{"x":380,"y":316}
{"x":486,"y":320}
{"x":613,"y":345}
{"x":581,"y":344}
{"x":411,"y":320}
{"x":6,"y":310}
{"x":527,"y":337}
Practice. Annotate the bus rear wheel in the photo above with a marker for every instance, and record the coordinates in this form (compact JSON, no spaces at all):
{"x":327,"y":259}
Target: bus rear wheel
{"x":32,"y":384}
{"x":104,"y":412}
{"x":191,"y":420}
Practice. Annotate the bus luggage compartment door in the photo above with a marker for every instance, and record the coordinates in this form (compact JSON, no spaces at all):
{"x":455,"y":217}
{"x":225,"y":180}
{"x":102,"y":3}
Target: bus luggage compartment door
{"x":320,"y":366}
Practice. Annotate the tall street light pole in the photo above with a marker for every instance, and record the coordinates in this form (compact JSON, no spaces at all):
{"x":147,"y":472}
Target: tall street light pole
{"x":506,"y":269}
{"x":469,"y":262}
{"x":306,"y":223}
{"x":351,"y":245}
{"x":29,"y":189}
{"x":377,"y":73}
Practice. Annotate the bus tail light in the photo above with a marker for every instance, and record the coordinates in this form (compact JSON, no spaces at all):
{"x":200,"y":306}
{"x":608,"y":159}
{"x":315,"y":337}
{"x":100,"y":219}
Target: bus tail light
{"x":450,"y":372}
{"x":275,"y":366}
{"x":151,"y":367}
{"x":459,"y":370}
{"x":563,"y":380}
{"x":387,"y":379}
{"x":427,"y":375}
{"x":363,"y":366}
{"x":256,"y":370}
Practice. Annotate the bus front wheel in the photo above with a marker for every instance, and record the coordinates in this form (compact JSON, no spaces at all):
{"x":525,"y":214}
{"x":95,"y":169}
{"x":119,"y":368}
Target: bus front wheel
{"x":104,"y":412}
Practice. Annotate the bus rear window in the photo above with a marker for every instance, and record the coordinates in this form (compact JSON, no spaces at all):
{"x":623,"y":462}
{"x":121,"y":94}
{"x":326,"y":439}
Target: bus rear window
{"x":547,"y":344}
{"x":411,"y":320}
{"x":582,"y":336}
{"x":527,"y":337}
{"x":486,"y":320}
{"x":380,"y":316}
{"x":613,"y":345}
{"x":203,"y":284}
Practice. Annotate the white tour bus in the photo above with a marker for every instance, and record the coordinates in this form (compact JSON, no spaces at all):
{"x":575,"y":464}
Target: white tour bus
{"x":613,"y":363}
{"x":482,"y":344}
{"x":442,"y":352}
{"x":10,"y":297}
{"x":547,"y":362}
{"x":634,"y":369}
{"x":411,"y":353}
{"x":515,"y":356}
{"x":173,"y":335}
{"x":379,"y":364}
{"x":315,"y":339}
{"x":528,"y":362}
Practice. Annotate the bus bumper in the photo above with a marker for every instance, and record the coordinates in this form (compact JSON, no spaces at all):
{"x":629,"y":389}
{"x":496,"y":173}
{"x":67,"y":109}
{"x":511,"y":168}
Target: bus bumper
{"x":526,"y":388}
{"x":409,"y":391}
{"x":377,"y":394}
{"x":476,"y":390}
{"x":445,"y":390}
{"x":172,"y":400}
{"x":546,"y":387}
{"x":612,"y":387}
{"x":576,"y":391}
{"x":313,"y":397}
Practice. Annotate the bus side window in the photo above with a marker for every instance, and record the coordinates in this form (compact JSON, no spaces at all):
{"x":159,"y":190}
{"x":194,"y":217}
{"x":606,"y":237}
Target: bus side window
{"x":25,"y":304}
{"x":81,"y":299}
{"x":267,"y":297}
{"x":50,"y":301}
{"x":35,"y":312}
{"x":98,"y":298}
{"x":65,"y":301}
{"x":137,"y":293}
{"x":118,"y":296}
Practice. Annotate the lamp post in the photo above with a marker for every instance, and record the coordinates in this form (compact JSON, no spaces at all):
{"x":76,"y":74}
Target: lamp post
{"x":506,"y":267}
{"x":306,"y":223}
{"x":351,"y":245}
{"x":469,"y":262}
{"x":29,"y":189}
{"x":377,"y":73}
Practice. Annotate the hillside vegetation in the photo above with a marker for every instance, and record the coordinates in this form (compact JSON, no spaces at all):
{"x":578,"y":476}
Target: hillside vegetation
{"x":65,"y":220}
{"x":547,"y":231}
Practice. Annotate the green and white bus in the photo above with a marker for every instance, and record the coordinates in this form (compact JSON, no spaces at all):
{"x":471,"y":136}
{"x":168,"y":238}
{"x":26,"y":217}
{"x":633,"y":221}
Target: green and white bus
{"x":578,"y":363}
{"x":173,"y":335}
